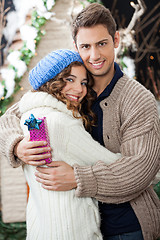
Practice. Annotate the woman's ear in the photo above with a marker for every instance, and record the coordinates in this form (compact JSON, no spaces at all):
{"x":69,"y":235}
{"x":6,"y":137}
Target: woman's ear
{"x":116,"y":39}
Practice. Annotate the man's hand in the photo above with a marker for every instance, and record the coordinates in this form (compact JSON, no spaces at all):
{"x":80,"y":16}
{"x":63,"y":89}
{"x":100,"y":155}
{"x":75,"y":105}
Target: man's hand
{"x":30,"y":152}
{"x":59,"y":176}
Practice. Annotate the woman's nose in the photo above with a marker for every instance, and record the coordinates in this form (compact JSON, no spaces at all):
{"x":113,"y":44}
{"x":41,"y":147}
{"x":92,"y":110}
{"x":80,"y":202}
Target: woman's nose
{"x":78,"y":88}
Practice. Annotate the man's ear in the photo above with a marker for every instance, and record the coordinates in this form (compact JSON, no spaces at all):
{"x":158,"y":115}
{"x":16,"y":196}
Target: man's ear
{"x":75,"y":46}
{"x":116,"y":39}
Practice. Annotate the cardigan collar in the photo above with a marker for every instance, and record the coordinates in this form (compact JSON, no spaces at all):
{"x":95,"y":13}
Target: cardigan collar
{"x":116,"y":92}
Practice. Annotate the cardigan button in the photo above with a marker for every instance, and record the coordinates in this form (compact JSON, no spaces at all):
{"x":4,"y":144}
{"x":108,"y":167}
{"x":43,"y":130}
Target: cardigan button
{"x":108,"y":137}
{"x":105,"y":104}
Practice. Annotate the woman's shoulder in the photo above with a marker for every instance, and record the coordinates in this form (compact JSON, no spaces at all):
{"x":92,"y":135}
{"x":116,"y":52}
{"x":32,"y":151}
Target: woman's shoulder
{"x":63,"y":119}
{"x":34,"y":100}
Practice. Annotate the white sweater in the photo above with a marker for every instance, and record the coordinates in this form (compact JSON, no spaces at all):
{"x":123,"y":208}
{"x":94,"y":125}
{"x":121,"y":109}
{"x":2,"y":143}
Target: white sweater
{"x":60,"y":215}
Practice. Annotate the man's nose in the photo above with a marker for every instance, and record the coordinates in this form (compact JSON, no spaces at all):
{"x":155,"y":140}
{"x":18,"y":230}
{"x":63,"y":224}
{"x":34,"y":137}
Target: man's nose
{"x":94,"y":54}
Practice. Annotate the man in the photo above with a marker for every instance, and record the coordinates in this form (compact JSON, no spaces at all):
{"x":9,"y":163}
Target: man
{"x":127,"y":123}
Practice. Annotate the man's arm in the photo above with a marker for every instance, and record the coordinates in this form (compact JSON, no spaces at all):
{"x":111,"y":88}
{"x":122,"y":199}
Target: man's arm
{"x":58,"y":177}
{"x":117,"y":183}
{"x":111,"y":184}
{"x":10,"y":133}
{"x":14,"y":146}
{"x":140,"y":147}
{"x":125,"y":179}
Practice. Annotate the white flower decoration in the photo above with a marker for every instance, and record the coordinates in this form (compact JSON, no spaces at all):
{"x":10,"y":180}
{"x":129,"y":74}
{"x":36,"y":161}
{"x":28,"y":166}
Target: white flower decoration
{"x":9,"y":75}
{"x":14,"y":59}
{"x":130,"y":70}
{"x":1,"y":90}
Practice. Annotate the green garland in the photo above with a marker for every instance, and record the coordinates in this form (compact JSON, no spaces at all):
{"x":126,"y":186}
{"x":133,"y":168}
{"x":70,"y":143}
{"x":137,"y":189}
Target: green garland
{"x":94,"y":1}
{"x":157,"y":189}
{"x":26,"y":55}
{"x":12,"y":231}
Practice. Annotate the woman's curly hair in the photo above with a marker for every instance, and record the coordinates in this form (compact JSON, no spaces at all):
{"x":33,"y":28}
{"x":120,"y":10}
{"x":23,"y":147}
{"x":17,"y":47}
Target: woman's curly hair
{"x":55,"y":86}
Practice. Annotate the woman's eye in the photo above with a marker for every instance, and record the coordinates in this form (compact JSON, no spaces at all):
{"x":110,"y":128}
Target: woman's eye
{"x":69,"y":79}
{"x":84,"y":83}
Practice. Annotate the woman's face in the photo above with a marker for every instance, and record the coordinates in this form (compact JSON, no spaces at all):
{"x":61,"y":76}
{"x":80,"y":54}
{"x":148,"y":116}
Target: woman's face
{"x":76,"y":84}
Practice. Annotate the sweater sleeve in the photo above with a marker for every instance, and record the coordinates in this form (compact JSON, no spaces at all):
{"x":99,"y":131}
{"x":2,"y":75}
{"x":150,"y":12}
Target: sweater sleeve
{"x":10,"y":134}
{"x":84,"y":150}
{"x":133,"y":173}
{"x":75,"y":145}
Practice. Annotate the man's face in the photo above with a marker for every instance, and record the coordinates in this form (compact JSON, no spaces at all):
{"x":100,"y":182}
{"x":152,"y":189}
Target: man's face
{"x":96,"y":47}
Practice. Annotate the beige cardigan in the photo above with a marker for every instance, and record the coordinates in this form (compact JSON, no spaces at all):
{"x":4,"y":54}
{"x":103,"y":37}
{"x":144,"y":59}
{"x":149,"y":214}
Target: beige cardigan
{"x":131,"y":126}
{"x":13,"y":191}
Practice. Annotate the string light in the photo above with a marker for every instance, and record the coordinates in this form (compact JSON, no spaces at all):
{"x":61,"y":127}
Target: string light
{"x":151,"y":57}
{"x":132,"y":4}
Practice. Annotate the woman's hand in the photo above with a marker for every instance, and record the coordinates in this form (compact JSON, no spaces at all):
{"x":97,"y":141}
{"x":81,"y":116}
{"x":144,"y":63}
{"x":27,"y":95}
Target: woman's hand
{"x":31,"y":152}
{"x":58,"y":176}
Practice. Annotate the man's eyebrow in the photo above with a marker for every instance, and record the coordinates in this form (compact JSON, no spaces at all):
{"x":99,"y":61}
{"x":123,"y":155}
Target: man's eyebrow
{"x":105,"y":39}
{"x":102,"y":40}
{"x":82,"y":44}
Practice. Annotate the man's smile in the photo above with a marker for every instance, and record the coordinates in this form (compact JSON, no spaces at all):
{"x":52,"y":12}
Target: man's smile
{"x":97,"y":65}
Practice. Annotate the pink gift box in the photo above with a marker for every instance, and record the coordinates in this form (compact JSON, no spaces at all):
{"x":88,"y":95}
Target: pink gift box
{"x":41,"y":134}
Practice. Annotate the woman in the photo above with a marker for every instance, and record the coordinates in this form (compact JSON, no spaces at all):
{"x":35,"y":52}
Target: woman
{"x":61,"y":84}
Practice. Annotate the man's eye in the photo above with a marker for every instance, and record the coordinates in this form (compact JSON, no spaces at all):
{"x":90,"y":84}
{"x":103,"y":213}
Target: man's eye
{"x":102,"y":44}
{"x":85,"y":46}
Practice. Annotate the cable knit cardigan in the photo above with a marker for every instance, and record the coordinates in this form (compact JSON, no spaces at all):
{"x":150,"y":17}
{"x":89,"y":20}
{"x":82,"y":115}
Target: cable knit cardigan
{"x":131,"y":126}
{"x":60,"y":215}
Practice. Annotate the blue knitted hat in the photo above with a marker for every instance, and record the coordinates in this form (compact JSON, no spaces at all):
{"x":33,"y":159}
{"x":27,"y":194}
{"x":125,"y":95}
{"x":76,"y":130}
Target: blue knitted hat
{"x":51,"y":65}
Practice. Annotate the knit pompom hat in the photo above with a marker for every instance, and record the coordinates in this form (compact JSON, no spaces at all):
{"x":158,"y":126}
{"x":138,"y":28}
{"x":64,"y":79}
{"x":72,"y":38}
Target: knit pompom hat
{"x":51,"y":65}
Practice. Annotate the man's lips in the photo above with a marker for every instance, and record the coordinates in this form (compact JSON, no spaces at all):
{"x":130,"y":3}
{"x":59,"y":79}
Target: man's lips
{"x":97,"y":65}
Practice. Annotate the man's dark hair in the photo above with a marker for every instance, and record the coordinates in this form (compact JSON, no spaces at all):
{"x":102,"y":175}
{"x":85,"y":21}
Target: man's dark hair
{"x":93,"y":15}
